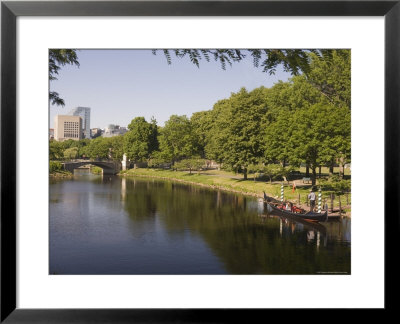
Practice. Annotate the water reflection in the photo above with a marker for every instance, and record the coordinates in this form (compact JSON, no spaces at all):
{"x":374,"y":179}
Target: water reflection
{"x":112,"y":225}
{"x":334,"y":232}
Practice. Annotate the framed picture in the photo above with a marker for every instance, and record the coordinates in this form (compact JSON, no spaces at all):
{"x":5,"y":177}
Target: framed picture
{"x":82,"y":289}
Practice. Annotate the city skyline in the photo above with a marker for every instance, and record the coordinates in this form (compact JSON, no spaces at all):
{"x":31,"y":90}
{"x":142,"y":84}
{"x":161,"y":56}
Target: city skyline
{"x":84,"y":113}
{"x":119,"y":85}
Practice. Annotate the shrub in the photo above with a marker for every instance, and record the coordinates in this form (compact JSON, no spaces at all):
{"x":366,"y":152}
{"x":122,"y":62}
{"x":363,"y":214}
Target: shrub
{"x":190,"y":164}
{"x":71,"y":153}
{"x":336,"y":184}
{"x":55,"y":166}
{"x":272,"y":171}
{"x":96,"y":170}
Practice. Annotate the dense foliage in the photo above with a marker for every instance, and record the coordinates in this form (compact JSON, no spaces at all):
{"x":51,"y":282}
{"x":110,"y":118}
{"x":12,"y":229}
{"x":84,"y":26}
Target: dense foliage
{"x":141,"y":140}
{"x":55,"y":166}
{"x":267,"y":130}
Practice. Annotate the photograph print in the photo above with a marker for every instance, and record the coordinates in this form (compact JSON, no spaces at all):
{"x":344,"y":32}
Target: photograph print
{"x":199,"y":161}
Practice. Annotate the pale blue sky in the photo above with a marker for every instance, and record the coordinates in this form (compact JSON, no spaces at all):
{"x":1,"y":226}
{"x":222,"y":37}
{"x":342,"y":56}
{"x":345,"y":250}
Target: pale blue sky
{"x":119,"y":85}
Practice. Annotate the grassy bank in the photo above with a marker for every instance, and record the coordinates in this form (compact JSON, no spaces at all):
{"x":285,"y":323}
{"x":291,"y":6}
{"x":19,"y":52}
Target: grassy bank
{"x":60,"y":174}
{"x":96,"y":170}
{"x":56,"y":170}
{"x":235,"y":183}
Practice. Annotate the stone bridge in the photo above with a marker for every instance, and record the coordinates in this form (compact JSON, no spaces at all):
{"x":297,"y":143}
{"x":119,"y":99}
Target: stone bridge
{"x":109,"y":167}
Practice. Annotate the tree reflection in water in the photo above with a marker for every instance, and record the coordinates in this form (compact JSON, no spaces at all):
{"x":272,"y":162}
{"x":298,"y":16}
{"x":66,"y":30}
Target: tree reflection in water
{"x":113,"y":225}
{"x":231,"y":226}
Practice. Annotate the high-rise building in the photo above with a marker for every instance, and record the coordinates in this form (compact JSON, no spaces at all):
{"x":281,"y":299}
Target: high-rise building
{"x":67,"y":127}
{"x":84,"y":113}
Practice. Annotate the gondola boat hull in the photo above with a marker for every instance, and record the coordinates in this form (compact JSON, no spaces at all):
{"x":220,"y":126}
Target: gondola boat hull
{"x":320,"y":217}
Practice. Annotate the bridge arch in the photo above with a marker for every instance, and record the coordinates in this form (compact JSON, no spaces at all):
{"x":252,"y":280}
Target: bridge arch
{"x":109,"y":167}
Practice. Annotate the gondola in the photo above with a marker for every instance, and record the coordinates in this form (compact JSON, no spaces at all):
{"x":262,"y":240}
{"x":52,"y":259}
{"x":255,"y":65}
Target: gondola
{"x":320,"y":217}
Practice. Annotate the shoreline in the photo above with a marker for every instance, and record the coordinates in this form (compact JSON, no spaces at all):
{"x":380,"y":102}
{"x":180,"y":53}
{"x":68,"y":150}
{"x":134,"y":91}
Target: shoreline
{"x":58,"y":175}
{"x":217,"y":187}
{"x":194,"y":183}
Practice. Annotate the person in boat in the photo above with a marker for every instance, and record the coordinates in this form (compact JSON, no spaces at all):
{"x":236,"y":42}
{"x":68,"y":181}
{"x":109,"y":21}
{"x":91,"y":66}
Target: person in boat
{"x":288,"y":208}
{"x":296,"y":209}
{"x":291,"y":207}
{"x":311,"y":198}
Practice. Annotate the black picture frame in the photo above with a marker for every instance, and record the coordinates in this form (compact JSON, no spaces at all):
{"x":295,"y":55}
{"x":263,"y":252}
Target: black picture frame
{"x":10,"y":10}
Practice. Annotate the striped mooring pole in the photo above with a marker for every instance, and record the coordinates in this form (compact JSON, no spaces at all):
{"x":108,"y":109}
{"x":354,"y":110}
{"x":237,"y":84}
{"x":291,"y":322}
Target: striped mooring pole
{"x":319,"y":200}
{"x":282,"y":192}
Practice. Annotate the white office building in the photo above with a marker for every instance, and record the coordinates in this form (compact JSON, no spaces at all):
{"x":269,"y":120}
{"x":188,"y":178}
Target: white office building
{"x":84,"y":113}
{"x":114,"y":130}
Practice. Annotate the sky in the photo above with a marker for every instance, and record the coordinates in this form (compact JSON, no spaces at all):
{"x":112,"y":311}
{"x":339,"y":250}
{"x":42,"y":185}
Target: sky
{"x":119,"y":85}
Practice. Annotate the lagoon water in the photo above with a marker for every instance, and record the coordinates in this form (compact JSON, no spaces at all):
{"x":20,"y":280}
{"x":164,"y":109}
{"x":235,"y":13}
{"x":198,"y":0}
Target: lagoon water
{"x":116,"y":225}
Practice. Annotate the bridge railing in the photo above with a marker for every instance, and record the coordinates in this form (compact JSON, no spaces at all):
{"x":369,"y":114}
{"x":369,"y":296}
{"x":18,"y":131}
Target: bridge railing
{"x":90,"y":160}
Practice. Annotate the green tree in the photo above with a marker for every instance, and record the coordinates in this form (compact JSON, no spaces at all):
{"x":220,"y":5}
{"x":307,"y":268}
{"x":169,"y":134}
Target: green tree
{"x":256,"y":169}
{"x":271,"y":171}
{"x":116,"y":147}
{"x":157,"y":160}
{"x":68,"y":143}
{"x":341,"y":186}
{"x":57,"y":59}
{"x":319,"y":134}
{"x":331,"y":76}
{"x":202,"y":123}
{"x":326,"y":84}
{"x":71,"y":153}
{"x":294,"y":61}
{"x":56,"y":150}
{"x":190,"y":164}
{"x":98,"y":148}
{"x":238,"y":129}
{"x":177,"y":140}
{"x":82,"y":146}
{"x":55,"y":166}
{"x":277,"y":134}
{"x":216,"y":137}
{"x":141,"y":139}
{"x":294,"y":94}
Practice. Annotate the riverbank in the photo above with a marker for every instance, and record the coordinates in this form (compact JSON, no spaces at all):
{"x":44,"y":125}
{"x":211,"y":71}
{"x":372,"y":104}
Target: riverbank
{"x":200,"y":179}
{"x":231,"y":182}
{"x":61,"y":174}
{"x":96,"y":170}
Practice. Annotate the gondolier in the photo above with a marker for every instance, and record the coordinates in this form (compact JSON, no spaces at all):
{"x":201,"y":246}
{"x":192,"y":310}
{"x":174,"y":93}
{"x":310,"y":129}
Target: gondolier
{"x":311,"y":198}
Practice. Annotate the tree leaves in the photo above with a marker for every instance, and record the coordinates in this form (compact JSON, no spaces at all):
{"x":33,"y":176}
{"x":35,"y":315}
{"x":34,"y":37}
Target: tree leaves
{"x":57,"y":59}
{"x":141,"y":139}
{"x":326,"y":70}
{"x":224,"y":56}
{"x":177,"y":139}
{"x":61,"y":57}
{"x":235,"y":133}
{"x":55,"y":99}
